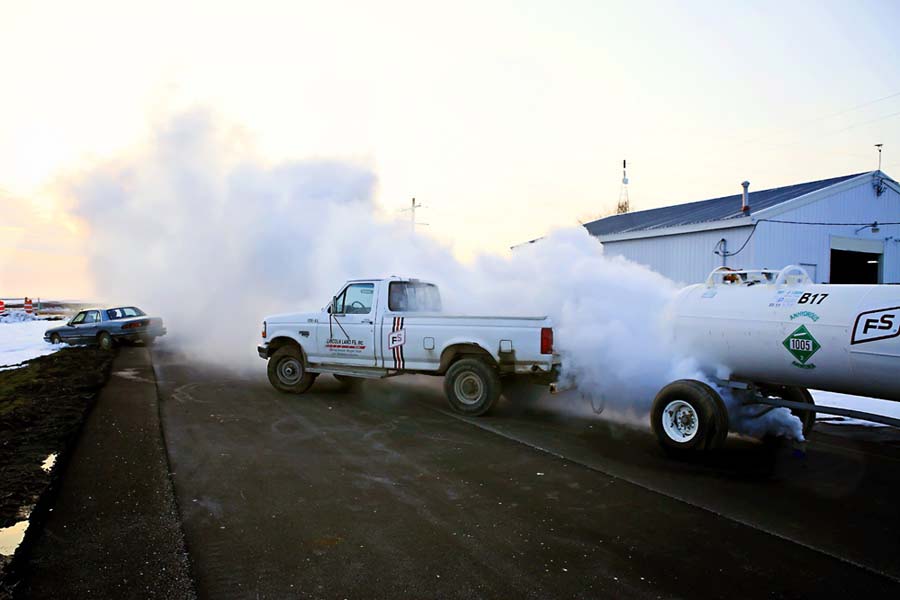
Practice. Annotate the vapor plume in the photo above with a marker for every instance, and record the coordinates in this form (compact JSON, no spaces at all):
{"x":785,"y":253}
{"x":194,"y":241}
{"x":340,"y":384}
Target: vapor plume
{"x":195,"y":228}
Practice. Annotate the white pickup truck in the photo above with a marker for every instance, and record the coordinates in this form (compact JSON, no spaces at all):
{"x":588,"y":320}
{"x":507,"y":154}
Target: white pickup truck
{"x":375,"y":328}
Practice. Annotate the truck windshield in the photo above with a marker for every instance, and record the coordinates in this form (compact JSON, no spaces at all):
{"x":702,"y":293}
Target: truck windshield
{"x":413,"y":296}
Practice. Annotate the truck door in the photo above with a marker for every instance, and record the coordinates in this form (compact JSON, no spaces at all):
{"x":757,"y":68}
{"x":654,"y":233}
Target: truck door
{"x":347,"y":337}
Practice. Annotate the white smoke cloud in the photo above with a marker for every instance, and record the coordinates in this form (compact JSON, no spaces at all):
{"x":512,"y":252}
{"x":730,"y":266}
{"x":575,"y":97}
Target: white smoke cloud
{"x":196,"y":229}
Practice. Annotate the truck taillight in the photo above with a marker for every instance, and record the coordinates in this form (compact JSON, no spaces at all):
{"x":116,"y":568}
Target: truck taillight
{"x":546,"y":340}
{"x":264,"y":329}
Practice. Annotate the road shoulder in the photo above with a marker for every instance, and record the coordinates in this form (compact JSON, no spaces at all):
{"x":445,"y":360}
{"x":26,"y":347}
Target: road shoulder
{"x":114,"y":529}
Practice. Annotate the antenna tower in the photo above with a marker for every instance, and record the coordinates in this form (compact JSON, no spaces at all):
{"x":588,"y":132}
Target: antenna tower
{"x":623,"y":206}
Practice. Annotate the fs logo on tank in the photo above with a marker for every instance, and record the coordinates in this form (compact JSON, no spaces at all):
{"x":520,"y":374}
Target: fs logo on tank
{"x":873,"y":325}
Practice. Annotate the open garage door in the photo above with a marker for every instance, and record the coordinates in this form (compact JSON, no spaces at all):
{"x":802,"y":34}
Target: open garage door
{"x":856,"y":260}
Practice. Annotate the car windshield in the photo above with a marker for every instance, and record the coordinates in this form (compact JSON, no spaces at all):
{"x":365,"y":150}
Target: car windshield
{"x":413,"y":296}
{"x":124,"y":312}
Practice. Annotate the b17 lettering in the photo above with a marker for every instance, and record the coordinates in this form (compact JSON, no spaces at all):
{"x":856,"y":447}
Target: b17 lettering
{"x":812,"y":298}
{"x":874,"y":325}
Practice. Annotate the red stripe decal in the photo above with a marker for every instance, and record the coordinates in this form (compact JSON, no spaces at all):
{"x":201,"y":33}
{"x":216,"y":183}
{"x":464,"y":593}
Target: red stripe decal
{"x":402,"y":358}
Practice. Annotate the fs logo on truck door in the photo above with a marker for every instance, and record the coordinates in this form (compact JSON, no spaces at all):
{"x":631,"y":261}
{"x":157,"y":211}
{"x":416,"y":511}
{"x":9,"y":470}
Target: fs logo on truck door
{"x":873,"y":325}
{"x":802,"y":345}
{"x":396,"y":341}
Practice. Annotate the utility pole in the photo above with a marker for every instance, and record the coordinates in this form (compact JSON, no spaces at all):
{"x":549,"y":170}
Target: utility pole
{"x":879,"y":155}
{"x":624,"y":204}
{"x":412,"y":214}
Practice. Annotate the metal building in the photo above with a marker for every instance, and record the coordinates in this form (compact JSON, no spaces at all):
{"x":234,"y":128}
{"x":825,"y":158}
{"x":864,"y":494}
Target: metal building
{"x":842,"y":230}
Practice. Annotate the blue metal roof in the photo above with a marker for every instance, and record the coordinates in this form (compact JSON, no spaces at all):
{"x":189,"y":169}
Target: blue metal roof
{"x":705,"y":211}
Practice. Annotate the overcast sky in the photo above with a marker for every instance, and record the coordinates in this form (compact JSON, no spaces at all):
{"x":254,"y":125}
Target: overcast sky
{"x":505,"y":118}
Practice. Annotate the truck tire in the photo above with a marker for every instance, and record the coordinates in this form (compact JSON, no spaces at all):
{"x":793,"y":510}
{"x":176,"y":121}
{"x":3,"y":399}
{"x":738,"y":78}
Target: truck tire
{"x":689,"y":415}
{"x":795,"y":394}
{"x":287,"y":371}
{"x":471,"y":386}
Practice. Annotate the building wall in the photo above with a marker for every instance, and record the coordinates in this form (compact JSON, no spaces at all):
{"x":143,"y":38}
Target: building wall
{"x":812,"y":244}
{"x":688,"y":258}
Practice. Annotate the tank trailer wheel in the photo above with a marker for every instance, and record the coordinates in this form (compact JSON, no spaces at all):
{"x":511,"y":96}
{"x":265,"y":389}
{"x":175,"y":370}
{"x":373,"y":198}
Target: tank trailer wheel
{"x":795,"y":394}
{"x":689,"y":415}
{"x":472,"y":386}
{"x":287,"y":371}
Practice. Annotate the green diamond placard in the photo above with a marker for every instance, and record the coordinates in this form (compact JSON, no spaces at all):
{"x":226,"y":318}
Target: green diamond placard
{"x":801,"y":344}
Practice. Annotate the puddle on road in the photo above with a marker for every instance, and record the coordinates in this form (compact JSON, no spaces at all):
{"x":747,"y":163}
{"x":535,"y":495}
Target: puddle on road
{"x":132,"y":375}
{"x":11,"y":537}
{"x":48,"y":463}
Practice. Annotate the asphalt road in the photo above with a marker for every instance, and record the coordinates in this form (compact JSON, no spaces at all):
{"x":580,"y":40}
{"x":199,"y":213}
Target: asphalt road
{"x":383,"y":493}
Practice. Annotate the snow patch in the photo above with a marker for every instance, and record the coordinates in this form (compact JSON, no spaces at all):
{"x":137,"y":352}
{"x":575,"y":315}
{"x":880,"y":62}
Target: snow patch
{"x":873,"y":405}
{"x":22,"y":340}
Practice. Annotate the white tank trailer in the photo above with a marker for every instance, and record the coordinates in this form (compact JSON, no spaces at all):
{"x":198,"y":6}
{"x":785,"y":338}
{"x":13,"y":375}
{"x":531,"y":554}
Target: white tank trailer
{"x":774,"y":334}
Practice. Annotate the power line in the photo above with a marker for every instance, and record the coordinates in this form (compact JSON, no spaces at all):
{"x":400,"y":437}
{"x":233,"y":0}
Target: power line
{"x":725,"y":253}
{"x":822,"y":223}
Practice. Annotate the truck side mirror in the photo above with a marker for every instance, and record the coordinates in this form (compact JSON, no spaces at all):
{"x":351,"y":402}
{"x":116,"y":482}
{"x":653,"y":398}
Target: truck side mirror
{"x":333,"y":308}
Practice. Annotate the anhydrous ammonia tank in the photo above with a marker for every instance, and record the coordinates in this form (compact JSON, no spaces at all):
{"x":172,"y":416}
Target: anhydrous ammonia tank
{"x":782,"y":334}
{"x":788,"y":331}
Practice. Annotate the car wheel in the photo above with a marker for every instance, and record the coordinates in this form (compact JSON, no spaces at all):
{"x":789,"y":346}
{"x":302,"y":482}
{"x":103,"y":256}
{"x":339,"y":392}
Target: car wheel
{"x":287,"y":371}
{"x":472,"y":386}
{"x":689,"y":415}
{"x":105,"y":340}
{"x":55,"y":339}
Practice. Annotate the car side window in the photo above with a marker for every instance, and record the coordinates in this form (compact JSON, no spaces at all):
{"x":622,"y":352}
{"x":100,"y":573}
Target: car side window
{"x":79,"y":318}
{"x":92,"y":317}
{"x":130,"y":312}
{"x":356,"y":299}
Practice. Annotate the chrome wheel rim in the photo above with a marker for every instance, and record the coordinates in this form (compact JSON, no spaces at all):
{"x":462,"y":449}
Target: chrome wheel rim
{"x":290,"y":371}
{"x":680,"y":421}
{"x":468,"y":388}
{"x":105,"y":342}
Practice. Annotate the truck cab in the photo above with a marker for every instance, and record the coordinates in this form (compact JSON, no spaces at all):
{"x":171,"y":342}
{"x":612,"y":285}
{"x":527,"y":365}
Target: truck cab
{"x":375,"y":328}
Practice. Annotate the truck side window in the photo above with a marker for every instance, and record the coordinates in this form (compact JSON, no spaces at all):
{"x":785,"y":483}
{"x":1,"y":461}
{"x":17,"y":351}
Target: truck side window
{"x":413,"y":296}
{"x":356,"y":299}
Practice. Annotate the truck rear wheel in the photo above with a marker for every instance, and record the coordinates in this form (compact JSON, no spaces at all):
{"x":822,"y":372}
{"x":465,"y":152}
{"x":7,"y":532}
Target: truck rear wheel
{"x":287,"y":371}
{"x":471,"y":386}
{"x":689,"y":415}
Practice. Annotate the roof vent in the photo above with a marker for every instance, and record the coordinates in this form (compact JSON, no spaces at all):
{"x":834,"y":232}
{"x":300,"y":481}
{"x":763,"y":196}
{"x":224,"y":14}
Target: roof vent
{"x":745,"y":199}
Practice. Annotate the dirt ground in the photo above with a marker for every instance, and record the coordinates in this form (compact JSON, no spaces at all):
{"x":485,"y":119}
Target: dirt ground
{"x":42,"y":407}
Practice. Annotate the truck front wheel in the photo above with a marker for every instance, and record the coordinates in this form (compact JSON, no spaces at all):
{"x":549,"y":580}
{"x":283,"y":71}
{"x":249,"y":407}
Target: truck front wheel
{"x":471,"y":386}
{"x":287,"y":371}
{"x":689,"y":415}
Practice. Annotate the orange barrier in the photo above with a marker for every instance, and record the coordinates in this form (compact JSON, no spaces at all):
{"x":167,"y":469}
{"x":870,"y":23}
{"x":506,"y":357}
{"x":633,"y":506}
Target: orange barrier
{"x":2,"y":306}
{"x":29,"y":307}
